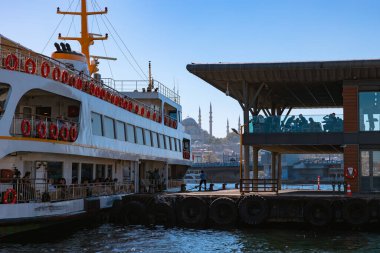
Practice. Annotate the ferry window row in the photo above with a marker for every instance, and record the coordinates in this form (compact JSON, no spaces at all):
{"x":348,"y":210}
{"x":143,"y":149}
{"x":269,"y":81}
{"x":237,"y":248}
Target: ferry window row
{"x":115,"y":129}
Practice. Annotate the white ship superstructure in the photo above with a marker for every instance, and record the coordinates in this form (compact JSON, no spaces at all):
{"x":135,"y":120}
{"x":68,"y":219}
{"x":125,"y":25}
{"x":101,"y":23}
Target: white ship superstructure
{"x":71,"y":141}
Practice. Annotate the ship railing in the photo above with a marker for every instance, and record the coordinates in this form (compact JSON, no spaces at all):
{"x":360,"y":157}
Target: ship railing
{"x":52,"y":69}
{"x":142,"y":86}
{"x":258,"y":185}
{"x":37,"y":190}
{"x":43,"y":127}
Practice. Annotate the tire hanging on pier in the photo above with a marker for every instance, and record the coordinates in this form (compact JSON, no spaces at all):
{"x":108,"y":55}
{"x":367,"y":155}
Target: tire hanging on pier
{"x":355,"y":212}
{"x":134,"y":213}
{"x":223,"y":212}
{"x":162,"y":213}
{"x":192,"y":212}
{"x":253,"y":210}
{"x":318,"y":212}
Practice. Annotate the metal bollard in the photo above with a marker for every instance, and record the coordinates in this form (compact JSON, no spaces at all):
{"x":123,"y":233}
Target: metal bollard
{"x":183,"y":187}
{"x":237,"y":186}
{"x":224,"y":186}
{"x":211,"y":187}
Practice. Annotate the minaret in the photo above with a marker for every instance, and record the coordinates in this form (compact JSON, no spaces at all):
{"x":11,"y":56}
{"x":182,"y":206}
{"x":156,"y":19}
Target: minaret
{"x":239,"y":125}
{"x":210,"y":120}
{"x":200,"y":118}
{"x":228,"y":127}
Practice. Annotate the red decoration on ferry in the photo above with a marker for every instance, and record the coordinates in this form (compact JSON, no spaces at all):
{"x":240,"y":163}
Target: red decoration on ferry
{"x":64,"y":133}
{"x":30,"y":63}
{"x":154,"y":116}
{"x":56,"y":74}
{"x":53,"y":131}
{"x":148,"y":114}
{"x":73,"y":133}
{"x":65,"y":77}
{"x":11,"y":62}
{"x":130,"y":106}
{"x":41,"y":130}
{"x":136,"y":108}
{"x":25,"y":128}
{"x":142,"y":111}
{"x":45,"y":69}
{"x":79,"y":83}
{"x":124,"y":103}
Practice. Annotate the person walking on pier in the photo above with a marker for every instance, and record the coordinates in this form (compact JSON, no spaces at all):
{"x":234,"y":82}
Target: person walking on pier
{"x":203,"y":180}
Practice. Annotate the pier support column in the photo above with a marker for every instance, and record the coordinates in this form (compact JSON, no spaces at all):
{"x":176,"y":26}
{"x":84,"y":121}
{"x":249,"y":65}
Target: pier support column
{"x":255,"y":158}
{"x":273,"y":167}
{"x":137,"y":176}
{"x":279,"y":171}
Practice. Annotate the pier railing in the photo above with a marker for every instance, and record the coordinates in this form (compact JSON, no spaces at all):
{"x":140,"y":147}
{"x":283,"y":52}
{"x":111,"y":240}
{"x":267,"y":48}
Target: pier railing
{"x":258,"y":185}
{"x":37,"y":190}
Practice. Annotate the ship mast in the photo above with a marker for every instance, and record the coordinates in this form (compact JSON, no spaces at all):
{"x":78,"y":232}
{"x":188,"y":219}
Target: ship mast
{"x":87,"y":39}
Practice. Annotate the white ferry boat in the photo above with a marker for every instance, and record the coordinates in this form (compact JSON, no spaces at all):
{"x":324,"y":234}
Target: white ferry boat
{"x":71,"y":142}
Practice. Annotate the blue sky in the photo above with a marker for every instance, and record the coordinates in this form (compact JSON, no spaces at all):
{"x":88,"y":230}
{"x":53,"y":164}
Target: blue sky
{"x":173,"y":33}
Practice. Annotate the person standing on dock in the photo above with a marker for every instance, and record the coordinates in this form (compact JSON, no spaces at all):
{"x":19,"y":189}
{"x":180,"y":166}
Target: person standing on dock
{"x":203,"y":180}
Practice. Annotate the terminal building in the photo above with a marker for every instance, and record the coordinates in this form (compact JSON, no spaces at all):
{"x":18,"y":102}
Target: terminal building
{"x":268,"y":92}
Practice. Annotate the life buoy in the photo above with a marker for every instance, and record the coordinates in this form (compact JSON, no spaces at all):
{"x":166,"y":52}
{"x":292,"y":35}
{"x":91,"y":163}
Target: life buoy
{"x":103,"y":93}
{"x":73,"y":133}
{"x":25,"y":128}
{"x":350,"y":172}
{"x":79,"y":83}
{"x":154,"y":116}
{"x":92,"y":89}
{"x":111,"y":98}
{"x":13,"y":199}
{"x":318,"y":212}
{"x":192,"y":212}
{"x":148,"y":114}
{"x":135,"y":213}
{"x":253,"y":209}
{"x":65,"y":77}
{"x":174,"y":124}
{"x":56,"y":73}
{"x":45,"y":69}
{"x":170,"y":122}
{"x":142,"y":111}
{"x":29,"y":62}
{"x":355,"y":211}
{"x":53,"y":131}
{"x":64,"y":133}
{"x":166,"y":121}
{"x":130,"y":106}
{"x":223,"y":212}
{"x":136,"y":108}
{"x":72,"y":81}
{"x":125,"y":104}
{"x":159,"y":119}
{"x":11,"y":65}
{"x":41,"y":130}
{"x":97,"y":91}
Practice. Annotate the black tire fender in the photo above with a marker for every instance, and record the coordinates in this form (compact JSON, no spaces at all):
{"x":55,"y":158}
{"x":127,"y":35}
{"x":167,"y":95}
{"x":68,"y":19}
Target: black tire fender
{"x":223,"y":212}
{"x":253,"y":209}
{"x":162,"y":213}
{"x":318,"y":212}
{"x":134,"y":213}
{"x":355,"y":211}
{"x":192,"y":211}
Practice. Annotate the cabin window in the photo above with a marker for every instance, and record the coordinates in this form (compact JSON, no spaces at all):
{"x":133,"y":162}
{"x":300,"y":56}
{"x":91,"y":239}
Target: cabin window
{"x":100,"y":171}
{"x":179,"y":145}
{"x":139,"y":136}
{"x":154,"y":140}
{"x":96,"y":120}
{"x":148,"y":140}
{"x":167,"y":142}
{"x":74,"y":172}
{"x":161,"y":142}
{"x":4,"y":91}
{"x":172,"y":144}
{"x":54,"y":170}
{"x":120,"y":131}
{"x":109,"y":171}
{"x":87,"y":172}
{"x":173,"y":114}
{"x":109,"y":127}
{"x":369,"y":111}
{"x":131,"y":133}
